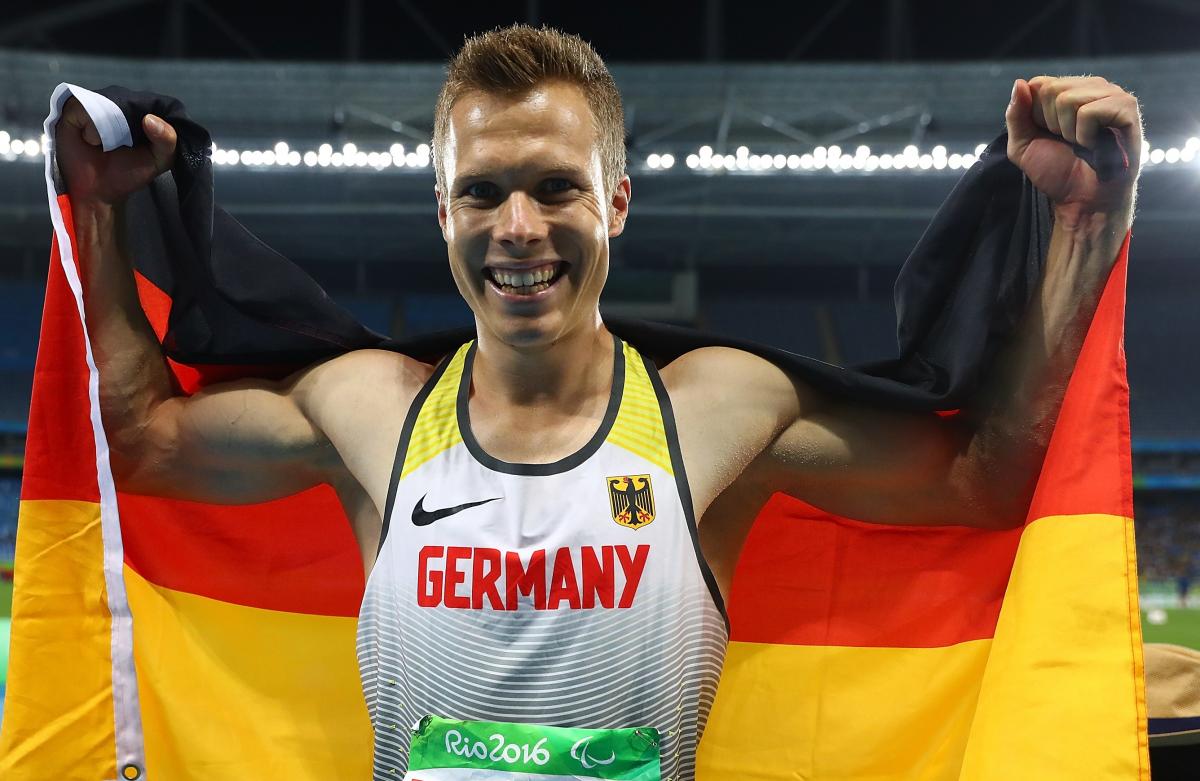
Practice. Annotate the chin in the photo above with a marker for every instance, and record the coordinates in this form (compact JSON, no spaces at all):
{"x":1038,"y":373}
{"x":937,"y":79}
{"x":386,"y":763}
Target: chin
{"x":540,"y":331}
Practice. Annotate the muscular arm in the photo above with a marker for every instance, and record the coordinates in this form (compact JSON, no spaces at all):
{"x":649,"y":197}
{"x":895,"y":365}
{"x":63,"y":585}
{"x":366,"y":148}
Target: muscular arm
{"x":978,"y":468}
{"x":235,"y":442}
{"x":164,"y":444}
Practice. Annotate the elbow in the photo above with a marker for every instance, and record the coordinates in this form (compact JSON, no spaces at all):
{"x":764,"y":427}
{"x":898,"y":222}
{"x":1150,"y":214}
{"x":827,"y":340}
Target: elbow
{"x":124,"y":465}
{"x":135,"y":453}
{"x":1005,"y":502}
{"x":1000,"y":474}
{"x":997,"y":496}
{"x":1006,"y":515}
{"x":127,"y":461}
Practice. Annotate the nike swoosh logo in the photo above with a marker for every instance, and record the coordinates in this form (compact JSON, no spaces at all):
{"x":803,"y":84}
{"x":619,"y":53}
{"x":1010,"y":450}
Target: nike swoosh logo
{"x":423,"y":517}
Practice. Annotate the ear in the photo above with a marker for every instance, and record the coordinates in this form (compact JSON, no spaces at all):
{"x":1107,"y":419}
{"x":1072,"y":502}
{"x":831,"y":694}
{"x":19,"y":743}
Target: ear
{"x":441,"y":211}
{"x":619,"y":208}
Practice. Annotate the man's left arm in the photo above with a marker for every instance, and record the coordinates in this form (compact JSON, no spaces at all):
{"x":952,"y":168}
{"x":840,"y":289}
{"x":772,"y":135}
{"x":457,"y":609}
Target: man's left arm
{"x":979,"y":467}
{"x":1013,"y":414}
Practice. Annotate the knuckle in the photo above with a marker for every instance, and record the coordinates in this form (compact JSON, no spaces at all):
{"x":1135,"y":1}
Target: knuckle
{"x":1074,"y":100}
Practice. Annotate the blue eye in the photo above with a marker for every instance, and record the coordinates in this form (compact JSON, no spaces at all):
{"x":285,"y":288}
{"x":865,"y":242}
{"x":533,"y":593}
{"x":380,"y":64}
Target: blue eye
{"x":558,"y":185}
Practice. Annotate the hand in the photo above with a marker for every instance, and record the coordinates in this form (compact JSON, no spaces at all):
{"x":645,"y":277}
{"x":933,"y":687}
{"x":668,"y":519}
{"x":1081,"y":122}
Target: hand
{"x":94,"y":176}
{"x":1047,"y":110}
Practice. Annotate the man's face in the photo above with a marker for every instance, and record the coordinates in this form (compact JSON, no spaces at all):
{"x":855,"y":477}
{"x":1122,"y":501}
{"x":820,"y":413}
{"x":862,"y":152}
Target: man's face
{"x":525,"y":214}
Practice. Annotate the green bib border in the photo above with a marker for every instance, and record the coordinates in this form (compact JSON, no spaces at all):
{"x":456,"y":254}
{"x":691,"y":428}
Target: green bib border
{"x":507,"y":747}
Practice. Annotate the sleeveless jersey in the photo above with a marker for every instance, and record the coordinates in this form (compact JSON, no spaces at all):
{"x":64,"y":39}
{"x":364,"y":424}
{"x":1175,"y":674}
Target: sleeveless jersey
{"x":570,"y":594}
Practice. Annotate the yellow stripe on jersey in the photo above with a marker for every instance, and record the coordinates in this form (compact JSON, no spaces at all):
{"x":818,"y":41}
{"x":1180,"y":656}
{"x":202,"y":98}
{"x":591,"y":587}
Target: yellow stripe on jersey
{"x":639,"y":425}
{"x":436,"y":429}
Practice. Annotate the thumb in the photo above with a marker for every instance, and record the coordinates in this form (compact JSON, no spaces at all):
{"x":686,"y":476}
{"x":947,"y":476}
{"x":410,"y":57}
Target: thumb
{"x":162,"y":139}
{"x":1018,"y":117}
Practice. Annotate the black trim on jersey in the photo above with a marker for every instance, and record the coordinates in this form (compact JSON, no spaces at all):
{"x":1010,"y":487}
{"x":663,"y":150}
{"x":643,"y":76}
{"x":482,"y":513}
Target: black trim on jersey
{"x":681,"y":484}
{"x":410,"y":422}
{"x":563,"y":464}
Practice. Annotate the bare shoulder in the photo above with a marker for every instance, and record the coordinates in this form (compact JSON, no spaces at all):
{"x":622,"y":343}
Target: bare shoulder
{"x":358,"y":377}
{"x":356,"y":396}
{"x":359,"y":400}
{"x":730,"y":376}
{"x":729,"y":405}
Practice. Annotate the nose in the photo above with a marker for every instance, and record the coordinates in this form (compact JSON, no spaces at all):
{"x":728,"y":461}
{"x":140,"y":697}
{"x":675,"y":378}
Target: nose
{"x":519,"y":224}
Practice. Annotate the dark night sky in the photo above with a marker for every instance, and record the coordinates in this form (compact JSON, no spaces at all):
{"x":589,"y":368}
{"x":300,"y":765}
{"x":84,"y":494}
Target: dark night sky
{"x":640,"y":32}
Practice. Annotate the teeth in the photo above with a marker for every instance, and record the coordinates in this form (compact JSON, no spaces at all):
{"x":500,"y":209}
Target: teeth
{"x":524,"y":279}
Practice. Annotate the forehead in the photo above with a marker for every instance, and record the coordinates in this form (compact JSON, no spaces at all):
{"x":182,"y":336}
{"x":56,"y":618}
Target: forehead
{"x":550,"y":124}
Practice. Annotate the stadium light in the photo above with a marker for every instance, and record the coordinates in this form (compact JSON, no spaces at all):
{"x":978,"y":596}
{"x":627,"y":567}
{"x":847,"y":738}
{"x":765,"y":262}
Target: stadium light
{"x":705,"y":160}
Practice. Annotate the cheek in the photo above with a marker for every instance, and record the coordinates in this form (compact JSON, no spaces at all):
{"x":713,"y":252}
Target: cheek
{"x":467,"y":243}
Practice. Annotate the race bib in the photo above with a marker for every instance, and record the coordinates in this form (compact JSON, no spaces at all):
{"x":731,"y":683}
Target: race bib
{"x":449,"y":750}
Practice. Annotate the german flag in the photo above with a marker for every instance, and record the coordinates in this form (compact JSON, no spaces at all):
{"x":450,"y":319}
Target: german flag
{"x":178,"y":640}
{"x":861,"y":651}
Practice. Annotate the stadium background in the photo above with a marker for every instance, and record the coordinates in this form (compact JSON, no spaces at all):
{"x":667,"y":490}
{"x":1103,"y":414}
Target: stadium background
{"x":783,"y":163}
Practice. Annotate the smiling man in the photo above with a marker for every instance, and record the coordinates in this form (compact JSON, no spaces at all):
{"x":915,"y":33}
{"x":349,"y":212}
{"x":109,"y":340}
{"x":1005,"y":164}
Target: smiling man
{"x":547,"y":522}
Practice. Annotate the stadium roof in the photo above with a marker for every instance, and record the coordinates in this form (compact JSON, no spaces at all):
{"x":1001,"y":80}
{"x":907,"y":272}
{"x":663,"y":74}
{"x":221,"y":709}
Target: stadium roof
{"x":703,"y":30}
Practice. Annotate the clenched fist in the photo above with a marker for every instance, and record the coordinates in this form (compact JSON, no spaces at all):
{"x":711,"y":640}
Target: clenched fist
{"x":94,"y":176}
{"x":1047,"y":110}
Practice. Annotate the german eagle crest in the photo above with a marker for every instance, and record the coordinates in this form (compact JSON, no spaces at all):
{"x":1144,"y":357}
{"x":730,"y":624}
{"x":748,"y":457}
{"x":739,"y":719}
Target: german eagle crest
{"x":631,"y":500}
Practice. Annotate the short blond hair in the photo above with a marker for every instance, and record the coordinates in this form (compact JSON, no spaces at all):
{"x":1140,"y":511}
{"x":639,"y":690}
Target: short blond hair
{"x":513,"y":60}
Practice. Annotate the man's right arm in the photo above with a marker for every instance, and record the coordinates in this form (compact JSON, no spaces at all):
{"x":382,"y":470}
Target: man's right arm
{"x":237,"y":442}
{"x":234,"y":442}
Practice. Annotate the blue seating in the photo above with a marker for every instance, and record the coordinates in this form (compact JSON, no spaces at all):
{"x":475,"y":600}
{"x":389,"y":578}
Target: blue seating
{"x":20,"y":319}
{"x":779,"y":323}
{"x":1161,"y":335}
{"x":429,"y":313}
{"x":375,"y":312}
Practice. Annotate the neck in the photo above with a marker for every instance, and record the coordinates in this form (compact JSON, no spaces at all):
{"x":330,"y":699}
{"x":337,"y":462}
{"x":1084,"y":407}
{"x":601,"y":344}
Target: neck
{"x":562,"y":374}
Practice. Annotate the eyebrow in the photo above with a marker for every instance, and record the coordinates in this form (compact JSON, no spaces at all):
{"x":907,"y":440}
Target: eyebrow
{"x":552,"y":169}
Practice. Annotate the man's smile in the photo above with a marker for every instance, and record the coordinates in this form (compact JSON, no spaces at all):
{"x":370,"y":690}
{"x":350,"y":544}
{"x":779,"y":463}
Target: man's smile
{"x":524,"y":282}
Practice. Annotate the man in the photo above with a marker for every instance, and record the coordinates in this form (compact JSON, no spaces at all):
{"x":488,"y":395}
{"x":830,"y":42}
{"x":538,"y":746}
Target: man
{"x":495,"y":591}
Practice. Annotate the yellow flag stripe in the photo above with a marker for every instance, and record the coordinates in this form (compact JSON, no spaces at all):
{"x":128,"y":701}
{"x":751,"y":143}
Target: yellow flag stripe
{"x":1065,"y":680}
{"x":223,"y":688}
{"x":58,"y":719}
{"x":883,"y":714}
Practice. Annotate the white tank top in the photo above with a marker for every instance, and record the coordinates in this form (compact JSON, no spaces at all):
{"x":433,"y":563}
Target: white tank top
{"x":571,"y":594}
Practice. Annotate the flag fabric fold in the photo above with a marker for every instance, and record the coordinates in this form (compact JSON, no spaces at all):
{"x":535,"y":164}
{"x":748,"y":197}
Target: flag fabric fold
{"x":157,"y":638}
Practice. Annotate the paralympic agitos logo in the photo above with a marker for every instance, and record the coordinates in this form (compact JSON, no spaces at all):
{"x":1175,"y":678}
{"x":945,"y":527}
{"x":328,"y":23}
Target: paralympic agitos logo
{"x":582,"y":578}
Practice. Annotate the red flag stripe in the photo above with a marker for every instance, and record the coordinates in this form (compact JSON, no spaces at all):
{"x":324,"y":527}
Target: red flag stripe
{"x":810,"y":578}
{"x":289,"y":555}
